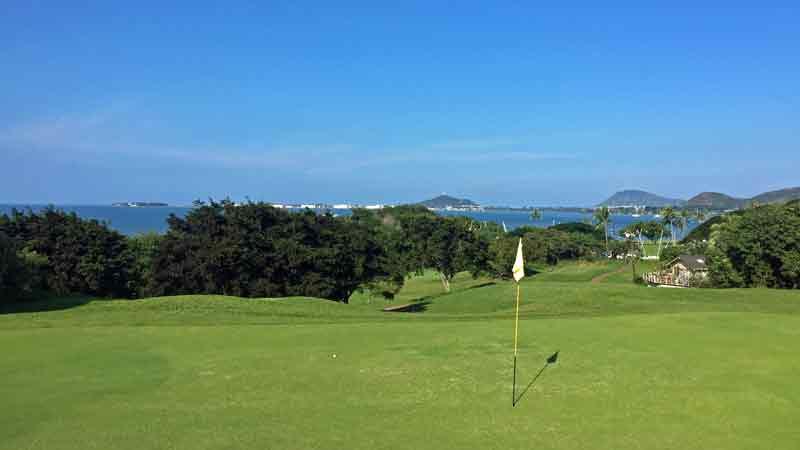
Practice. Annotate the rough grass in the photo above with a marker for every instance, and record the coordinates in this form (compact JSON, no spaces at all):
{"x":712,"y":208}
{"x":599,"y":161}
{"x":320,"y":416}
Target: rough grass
{"x":639,"y":368}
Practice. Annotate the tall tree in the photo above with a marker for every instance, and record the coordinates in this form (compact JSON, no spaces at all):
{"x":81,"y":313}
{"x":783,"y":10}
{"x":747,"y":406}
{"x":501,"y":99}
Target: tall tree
{"x":684,"y":217}
{"x":668,"y":217}
{"x":603,"y":216}
{"x":632,"y":251}
{"x":700,"y":215}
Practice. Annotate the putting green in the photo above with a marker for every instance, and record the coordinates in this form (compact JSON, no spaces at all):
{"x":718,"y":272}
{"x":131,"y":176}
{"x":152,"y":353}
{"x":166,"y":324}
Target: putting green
{"x":216,"y":373}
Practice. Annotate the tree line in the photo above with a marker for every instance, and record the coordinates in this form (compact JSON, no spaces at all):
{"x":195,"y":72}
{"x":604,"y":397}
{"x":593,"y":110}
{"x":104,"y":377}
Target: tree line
{"x":255,"y":250}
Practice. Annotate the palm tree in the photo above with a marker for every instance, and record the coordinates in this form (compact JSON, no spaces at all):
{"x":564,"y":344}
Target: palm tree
{"x":700,"y":215}
{"x":536,"y":214}
{"x":630,"y":251}
{"x":684,"y":222}
{"x":668,"y":216}
{"x":603,"y":217}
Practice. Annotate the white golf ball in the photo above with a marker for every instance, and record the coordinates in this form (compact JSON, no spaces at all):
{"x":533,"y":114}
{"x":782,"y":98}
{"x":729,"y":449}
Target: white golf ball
{"x":334,"y":356}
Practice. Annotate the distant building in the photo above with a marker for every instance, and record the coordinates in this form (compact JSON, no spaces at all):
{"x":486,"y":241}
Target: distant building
{"x":342,"y":206}
{"x":464,"y":208}
{"x":683,"y":271}
{"x":139,"y":204}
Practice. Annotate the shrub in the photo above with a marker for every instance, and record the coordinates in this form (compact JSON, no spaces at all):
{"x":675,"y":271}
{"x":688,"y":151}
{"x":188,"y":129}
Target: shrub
{"x":758,"y":247}
{"x":255,"y":250}
{"x":13,"y":276}
{"x":71,"y":255}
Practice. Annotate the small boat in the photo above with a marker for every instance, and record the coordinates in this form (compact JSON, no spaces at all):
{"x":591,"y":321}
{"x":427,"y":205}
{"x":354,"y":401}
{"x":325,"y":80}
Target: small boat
{"x":636,"y":215}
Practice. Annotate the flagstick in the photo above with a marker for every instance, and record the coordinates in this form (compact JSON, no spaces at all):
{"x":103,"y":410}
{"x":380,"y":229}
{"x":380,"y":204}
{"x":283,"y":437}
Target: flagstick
{"x":516,"y":322}
{"x":518,"y":270}
{"x":516,"y":327}
{"x":514,"y":385}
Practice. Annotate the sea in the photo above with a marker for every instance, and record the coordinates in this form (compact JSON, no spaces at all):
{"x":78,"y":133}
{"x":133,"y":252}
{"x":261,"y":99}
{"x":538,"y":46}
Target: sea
{"x":132,"y":220}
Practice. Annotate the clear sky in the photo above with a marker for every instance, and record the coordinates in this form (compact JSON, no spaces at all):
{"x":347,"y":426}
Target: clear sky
{"x":503,"y":102}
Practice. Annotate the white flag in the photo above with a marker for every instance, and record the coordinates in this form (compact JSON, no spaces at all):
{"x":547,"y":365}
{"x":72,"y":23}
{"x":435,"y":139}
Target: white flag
{"x":519,"y":265}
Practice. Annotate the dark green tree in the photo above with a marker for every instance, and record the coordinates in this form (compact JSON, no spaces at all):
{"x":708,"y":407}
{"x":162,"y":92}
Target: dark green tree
{"x":758,"y":247}
{"x":255,"y":250}
{"x":603,"y":217}
{"x":81,"y":256}
{"x":13,"y":276}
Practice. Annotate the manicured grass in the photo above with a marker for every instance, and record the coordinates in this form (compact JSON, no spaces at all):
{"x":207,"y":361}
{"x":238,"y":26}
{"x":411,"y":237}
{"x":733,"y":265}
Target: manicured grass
{"x":639,"y":368}
{"x":421,"y":288}
{"x":577,"y":271}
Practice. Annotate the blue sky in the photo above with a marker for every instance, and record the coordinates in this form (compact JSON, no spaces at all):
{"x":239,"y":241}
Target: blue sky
{"x":504,"y":102}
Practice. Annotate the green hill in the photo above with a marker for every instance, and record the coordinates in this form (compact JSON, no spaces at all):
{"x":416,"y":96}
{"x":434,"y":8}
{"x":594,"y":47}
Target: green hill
{"x":719,"y":201}
{"x":443,"y":201}
{"x":779,"y":196}
{"x":640,"y":198}
{"x":716,"y":201}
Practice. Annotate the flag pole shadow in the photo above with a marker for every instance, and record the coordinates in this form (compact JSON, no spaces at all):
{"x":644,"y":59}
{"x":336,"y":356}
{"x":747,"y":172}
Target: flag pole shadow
{"x":550,"y":360}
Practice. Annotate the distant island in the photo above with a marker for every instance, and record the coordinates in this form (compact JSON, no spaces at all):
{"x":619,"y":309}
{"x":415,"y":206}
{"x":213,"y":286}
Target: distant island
{"x":451,"y":203}
{"x":632,"y":197}
{"x":138,"y":204}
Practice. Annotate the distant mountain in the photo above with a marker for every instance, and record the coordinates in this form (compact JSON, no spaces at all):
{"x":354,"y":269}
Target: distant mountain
{"x":779,"y":196}
{"x":443,"y":201}
{"x":640,"y":198}
{"x":716,"y":200}
{"x":706,"y":200}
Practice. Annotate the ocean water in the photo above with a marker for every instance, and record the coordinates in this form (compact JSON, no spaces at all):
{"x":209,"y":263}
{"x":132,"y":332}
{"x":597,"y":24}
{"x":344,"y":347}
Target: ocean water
{"x":128,"y":221}
{"x":133,"y":221}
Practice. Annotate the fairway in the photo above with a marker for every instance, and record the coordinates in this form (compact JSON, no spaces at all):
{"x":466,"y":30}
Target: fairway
{"x":639,"y":368}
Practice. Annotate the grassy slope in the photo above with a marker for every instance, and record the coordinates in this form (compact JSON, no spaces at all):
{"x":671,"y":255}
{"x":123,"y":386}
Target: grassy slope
{"x":718,"y":371}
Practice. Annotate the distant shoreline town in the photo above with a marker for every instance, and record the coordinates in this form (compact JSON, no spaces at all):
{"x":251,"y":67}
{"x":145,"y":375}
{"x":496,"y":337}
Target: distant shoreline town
{"x":623,"y":202}
{"x":139,"y":204}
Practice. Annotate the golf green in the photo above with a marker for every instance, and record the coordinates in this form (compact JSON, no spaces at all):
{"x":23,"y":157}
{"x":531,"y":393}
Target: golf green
{"x":215,"y":372}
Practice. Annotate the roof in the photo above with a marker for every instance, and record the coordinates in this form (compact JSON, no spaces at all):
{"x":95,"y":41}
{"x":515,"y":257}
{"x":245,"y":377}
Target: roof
{"x":691,"y":262}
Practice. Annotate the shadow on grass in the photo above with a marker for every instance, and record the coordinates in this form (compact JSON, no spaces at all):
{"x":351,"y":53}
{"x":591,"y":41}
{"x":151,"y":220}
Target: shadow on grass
{"x":488,"y":283}
{"x":414,"y":307}
{"x":44,"y":305}
{"x":550,"y":360}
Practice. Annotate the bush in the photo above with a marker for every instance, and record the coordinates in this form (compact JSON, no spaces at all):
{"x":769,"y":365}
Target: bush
{"x":758,"y":247}
{"x":144,"y":249}
{"x":255,"y":250}
{"x":671,"y":252}
{"x":541,"y":246}
{"x":71,"y":255}
{"x":13,"y":276}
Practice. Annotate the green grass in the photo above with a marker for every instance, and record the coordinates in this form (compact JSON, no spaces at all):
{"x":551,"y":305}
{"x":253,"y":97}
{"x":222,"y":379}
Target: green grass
{"x":577,"y":271}
{"x":651,"y":248}
{"x":639,"y":368}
